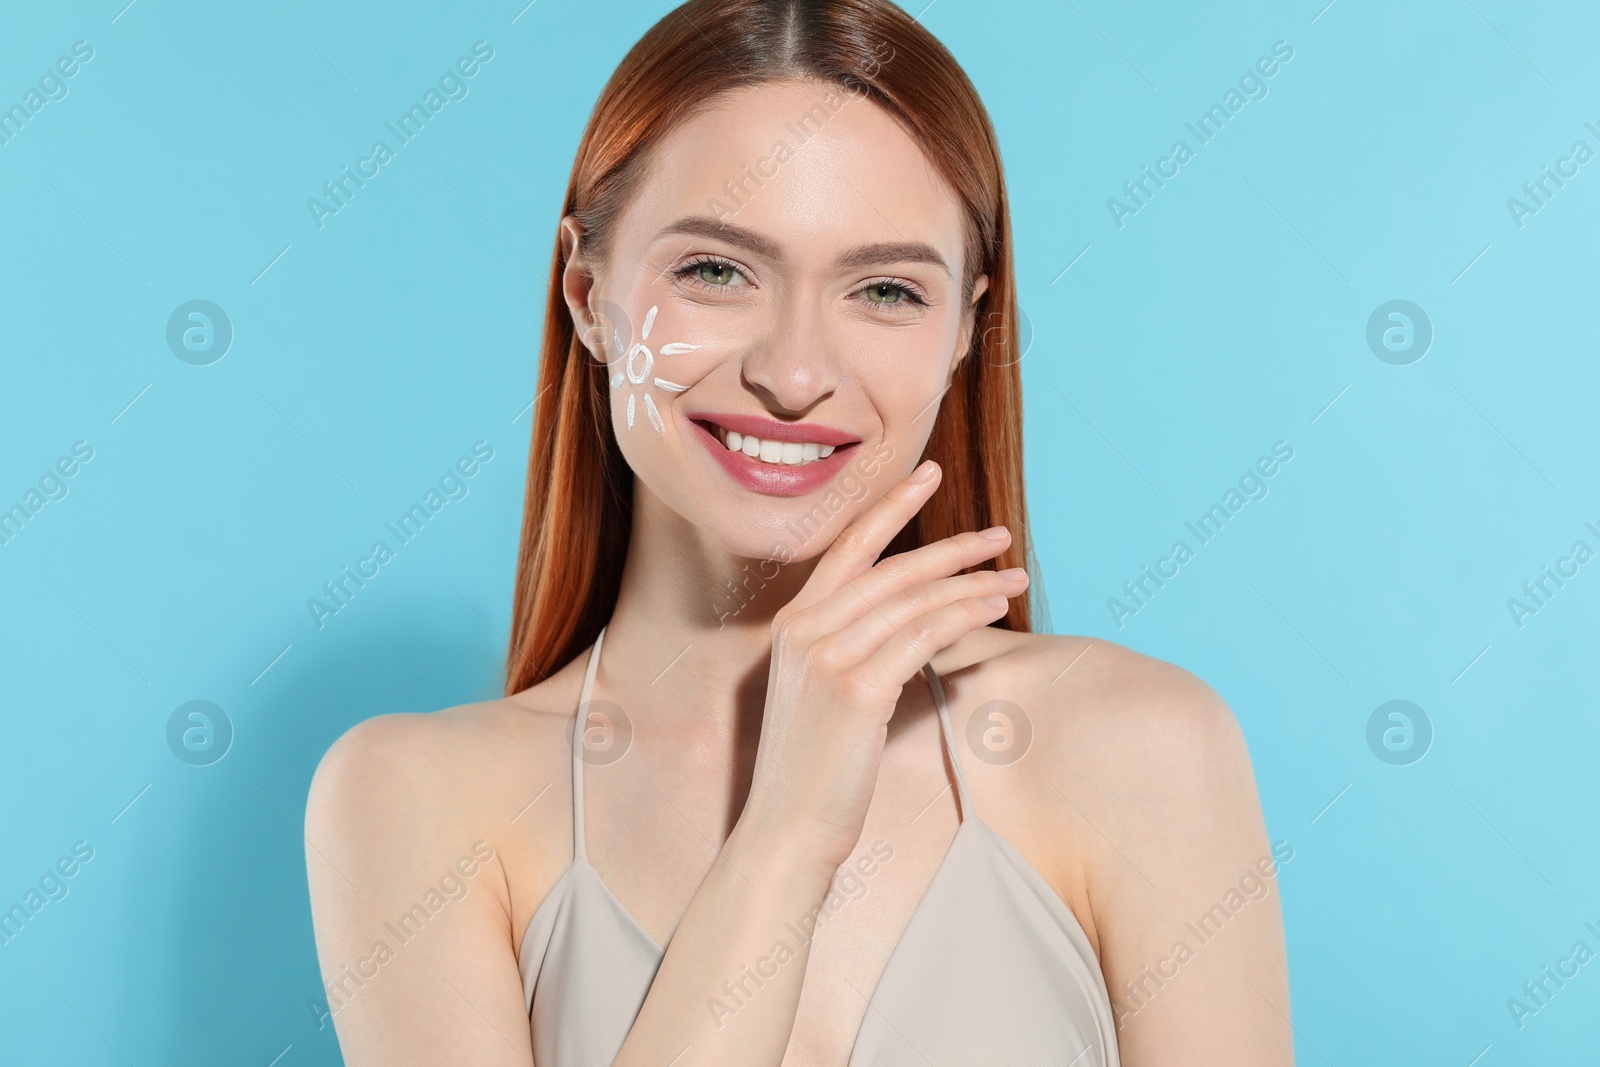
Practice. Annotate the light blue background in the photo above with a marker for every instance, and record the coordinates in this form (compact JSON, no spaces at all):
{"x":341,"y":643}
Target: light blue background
{"x":1228,"y":314}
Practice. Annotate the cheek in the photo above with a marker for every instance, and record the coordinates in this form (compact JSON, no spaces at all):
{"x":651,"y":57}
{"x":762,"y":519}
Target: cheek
{"x":652,"y":366}
{"x":901,"y":371}
{"x":920,"y":348}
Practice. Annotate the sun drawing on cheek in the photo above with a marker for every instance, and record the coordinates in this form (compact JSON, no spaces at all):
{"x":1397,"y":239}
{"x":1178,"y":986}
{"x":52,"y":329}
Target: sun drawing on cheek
{"x":636,"y":369}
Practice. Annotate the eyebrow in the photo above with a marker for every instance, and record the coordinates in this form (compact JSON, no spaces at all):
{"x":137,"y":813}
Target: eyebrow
{"x":859,"y":256}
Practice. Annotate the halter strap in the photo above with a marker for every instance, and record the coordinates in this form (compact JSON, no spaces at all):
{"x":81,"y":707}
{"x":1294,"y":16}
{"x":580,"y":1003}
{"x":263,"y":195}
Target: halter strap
{"x":949,"y":733}
{"x":579,"y":852}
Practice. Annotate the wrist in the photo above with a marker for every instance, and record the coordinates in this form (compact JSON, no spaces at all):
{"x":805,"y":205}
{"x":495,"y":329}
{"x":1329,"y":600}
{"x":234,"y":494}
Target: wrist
{"x":758,"y":845}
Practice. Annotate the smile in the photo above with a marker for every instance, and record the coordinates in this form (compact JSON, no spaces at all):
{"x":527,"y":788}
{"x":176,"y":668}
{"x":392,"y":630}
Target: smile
{"x":774,"y":458}
{"x":783,"y":453}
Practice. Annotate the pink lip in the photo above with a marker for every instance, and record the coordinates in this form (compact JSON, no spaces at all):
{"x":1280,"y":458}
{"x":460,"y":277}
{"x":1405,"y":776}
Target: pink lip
{"x":773,"y":430}
{"x":768,"y":478}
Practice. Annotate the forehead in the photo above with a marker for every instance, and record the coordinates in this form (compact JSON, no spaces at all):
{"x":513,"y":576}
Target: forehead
{"x":812,"y":171}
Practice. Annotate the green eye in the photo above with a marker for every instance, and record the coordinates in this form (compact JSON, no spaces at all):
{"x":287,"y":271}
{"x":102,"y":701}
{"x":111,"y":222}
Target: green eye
{"x":716,"y":273}
{"x":874,"y":292}
{"x":710,"y":273}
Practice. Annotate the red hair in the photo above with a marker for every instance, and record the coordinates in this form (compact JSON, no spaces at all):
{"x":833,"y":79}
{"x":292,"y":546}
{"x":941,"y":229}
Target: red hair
{"x":578,"y":510}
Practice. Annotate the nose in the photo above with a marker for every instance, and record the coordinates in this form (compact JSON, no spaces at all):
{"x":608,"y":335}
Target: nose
{"x":793,"y":366}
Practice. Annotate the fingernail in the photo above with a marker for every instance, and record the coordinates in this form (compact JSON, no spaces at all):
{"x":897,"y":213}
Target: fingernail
{"x":1015,"y":574}
{"x":994,"y":533}
{"x":995,"y":601}
{"x":924,"y":474}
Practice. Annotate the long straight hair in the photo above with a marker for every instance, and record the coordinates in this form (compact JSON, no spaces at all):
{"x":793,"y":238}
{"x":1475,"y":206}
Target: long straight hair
{"x":579,"y":507}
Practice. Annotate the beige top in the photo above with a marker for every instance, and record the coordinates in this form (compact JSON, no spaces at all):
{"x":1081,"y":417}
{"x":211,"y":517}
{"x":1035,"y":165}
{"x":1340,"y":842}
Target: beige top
{"x":993,"y":968}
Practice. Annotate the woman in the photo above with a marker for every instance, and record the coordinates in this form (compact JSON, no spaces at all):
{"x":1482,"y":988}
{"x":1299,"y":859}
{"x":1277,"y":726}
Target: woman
{"x":783,"y":774}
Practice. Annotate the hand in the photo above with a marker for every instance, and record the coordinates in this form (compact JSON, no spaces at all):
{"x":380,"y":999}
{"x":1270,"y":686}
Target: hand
{"x":842,"y":652}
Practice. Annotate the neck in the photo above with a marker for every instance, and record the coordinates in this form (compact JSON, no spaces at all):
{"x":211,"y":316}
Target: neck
{"x":693,"y":622}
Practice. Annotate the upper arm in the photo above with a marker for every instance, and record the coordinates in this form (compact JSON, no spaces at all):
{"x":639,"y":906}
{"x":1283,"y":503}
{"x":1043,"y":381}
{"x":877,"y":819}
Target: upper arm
{"x":1185,"y":886}
{"x":410,"y":904}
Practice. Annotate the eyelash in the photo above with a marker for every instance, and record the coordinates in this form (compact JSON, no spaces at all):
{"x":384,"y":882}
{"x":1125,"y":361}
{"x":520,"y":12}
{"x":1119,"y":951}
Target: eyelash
{"x":690,"y":272}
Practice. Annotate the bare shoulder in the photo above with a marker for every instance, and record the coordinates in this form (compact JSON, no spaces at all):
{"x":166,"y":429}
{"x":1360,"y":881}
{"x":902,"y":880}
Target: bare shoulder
{"x":1135,"y":772}
{"x":441,"y":760}
{"x":1137,"y":802}
{"x":429,"y":840}
{"x":407,"y":787}
{"x":1092,"y":704}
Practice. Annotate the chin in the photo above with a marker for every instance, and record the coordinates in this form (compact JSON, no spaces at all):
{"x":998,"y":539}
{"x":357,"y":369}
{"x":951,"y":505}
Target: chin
{"x":798,"y":527}
{"x":783,"y":530}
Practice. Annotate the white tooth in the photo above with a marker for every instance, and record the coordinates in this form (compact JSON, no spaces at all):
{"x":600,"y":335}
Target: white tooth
{"x":771,"y":451}
{"x":810,"y":452}
{"x":735,"y":440}
{"x":751,"y":446}
{"x":793,"y":452}
{"x":826,"y":451}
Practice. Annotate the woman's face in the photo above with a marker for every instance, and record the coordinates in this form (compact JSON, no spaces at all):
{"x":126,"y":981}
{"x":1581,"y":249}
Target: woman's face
{"x":790,"y":273}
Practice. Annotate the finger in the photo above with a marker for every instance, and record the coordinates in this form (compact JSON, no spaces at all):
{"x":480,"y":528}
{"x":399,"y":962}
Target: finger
{"x":902,"y":571}
{"x":860,"y":544}
{"x":920,"y":639}
{"x":882,"y":622}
